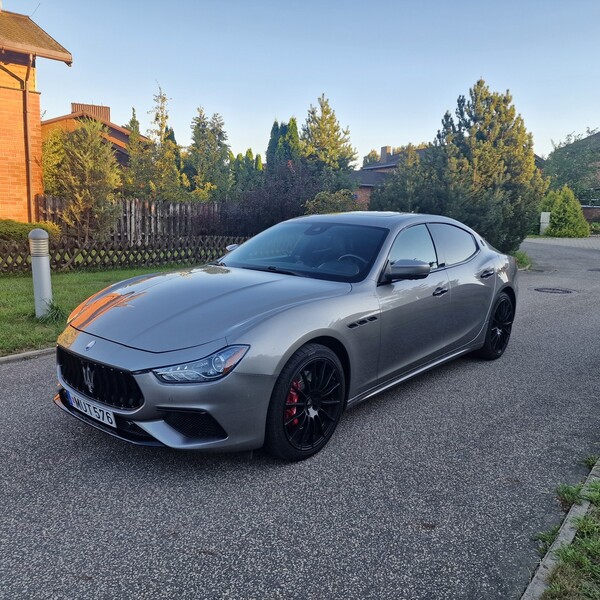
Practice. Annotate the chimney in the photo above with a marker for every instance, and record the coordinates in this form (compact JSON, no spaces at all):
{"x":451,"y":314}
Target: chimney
{"x":100,"y":112}
{"x":386,"y":152}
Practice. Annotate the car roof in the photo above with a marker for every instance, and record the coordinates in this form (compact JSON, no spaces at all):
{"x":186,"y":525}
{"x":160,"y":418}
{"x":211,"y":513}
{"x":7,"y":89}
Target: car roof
{"x":386,"y":219}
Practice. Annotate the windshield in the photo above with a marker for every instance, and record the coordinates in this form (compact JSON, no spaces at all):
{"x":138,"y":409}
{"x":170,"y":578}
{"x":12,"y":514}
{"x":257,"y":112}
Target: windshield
{"x":333,"y":251}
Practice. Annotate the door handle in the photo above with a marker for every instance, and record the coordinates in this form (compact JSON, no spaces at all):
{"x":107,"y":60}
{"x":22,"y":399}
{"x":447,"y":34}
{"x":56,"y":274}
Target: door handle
{"x":487,"y":273}
{"x":440,"y":291}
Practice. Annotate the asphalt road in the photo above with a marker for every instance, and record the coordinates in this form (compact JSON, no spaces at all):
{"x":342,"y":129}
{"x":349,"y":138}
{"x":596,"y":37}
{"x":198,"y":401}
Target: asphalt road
{"x":433,"y":490}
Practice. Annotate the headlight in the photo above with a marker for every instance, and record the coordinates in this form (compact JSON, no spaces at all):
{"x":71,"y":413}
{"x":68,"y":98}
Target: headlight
{"x":211,"y":367}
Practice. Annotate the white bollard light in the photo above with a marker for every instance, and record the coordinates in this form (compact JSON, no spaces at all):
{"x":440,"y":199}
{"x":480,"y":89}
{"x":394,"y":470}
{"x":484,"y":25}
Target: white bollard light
{"x":40,"y":267}
{"x":544,"y":222}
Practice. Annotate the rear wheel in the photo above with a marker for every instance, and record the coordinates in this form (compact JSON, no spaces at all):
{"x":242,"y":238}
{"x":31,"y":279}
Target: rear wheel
{"x":499,"y":328}
{"x":306,"y":404}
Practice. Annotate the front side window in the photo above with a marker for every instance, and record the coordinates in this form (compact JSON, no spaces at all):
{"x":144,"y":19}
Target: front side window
{"x":414,"y":243}
{"x":454,"y":245}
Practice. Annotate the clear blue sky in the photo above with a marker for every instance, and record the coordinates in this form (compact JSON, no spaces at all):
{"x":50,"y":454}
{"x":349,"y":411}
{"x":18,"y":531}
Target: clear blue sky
{"x":389,"y":68}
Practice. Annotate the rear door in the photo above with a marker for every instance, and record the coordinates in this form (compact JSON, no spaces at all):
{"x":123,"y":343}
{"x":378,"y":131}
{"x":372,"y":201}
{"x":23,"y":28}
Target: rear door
{"x":471,"y":274}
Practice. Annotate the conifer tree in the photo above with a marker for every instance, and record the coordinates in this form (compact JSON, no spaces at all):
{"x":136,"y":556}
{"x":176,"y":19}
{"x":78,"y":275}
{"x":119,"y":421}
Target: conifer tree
{"x":137,"y":174}
{"x":566,"y":216}
{"x":492,"y":181}
{"x":323,"y":139}
{"x":88,"y":177}
{"x":273,"y":143}
{"x":165,"y":182}
{"x":208,"y":158}
{"x":480,"y":169}
{"x":371,"y":158}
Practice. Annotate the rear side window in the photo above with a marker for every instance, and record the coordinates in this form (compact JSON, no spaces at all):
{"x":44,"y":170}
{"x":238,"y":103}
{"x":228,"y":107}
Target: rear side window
{"x":454,"y":245}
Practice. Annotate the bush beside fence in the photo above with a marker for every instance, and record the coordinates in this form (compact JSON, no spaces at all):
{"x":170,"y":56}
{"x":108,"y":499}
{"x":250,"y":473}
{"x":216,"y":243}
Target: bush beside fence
{"x":69,"y":255}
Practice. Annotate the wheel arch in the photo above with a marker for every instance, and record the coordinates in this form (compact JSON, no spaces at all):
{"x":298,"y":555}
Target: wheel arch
{"x":510,"y":292}
{"x":340,"y":350}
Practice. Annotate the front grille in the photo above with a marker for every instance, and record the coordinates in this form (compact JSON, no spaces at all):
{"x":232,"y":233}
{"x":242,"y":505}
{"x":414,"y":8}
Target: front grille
{"x":109,"y":385}
{"x":196,"y":424}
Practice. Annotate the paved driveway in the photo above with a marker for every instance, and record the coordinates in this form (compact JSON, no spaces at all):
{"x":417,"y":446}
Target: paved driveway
{"x":433,"y":490}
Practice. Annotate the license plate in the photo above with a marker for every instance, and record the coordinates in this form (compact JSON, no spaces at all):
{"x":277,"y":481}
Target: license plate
{"x":92,"y":410}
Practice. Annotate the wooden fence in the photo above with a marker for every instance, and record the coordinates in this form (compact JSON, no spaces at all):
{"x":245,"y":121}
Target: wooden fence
{"x":68,"y":255}
{"x":143,"y":220}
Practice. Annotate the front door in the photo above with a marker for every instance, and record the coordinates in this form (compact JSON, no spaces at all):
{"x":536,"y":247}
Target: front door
{"x":413,"y":312}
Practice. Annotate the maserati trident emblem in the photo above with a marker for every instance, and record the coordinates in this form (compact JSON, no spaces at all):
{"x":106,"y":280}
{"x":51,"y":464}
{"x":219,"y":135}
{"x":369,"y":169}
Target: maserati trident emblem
{"x":88,"y":378}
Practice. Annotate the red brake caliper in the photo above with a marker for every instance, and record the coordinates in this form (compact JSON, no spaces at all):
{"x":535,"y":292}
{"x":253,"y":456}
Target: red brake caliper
{"x":292,"y":398}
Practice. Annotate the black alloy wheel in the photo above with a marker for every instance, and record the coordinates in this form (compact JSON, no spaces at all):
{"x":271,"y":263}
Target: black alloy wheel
{"x":307,"y":403}
{"x":499,"y":328}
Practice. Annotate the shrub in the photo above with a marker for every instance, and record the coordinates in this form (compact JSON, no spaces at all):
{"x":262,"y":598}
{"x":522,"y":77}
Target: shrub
{"x":15,"y":231}
{"x":595,"y":228}
{"x":333,"y":202}
{"x":566,"y":216}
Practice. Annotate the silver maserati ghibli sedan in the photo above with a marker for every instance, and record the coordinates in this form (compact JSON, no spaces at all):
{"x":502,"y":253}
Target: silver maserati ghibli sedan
{"x":270,"y":344}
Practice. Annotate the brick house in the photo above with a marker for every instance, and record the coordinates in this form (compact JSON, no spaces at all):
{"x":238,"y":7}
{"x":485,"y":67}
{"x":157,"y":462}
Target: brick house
{"x":22,"y":42}
{"x":375,"y":174}
{"x":118,"y":136}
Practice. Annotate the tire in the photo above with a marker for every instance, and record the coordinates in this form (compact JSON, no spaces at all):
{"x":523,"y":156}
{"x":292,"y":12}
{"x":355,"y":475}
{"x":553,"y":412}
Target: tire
{"x":306,"y":404}
{"x":499,"y":328}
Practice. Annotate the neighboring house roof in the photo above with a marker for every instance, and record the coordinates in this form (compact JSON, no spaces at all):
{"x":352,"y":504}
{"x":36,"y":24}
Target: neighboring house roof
{"x":391,"y":161}
{"x":390,"y":164}
{"x":18,"y":33}
{"x":366,"y":178}
{"x":84,"y":114}
{"x":118,"y":136}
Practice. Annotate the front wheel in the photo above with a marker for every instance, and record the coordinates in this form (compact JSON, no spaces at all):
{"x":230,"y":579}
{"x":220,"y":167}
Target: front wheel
{"x":306,"y":404}
{"x":499,"y":328}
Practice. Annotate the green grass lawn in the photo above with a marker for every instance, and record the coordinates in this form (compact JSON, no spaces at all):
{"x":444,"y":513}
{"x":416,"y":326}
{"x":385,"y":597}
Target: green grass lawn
{"x":20,"y":330}
{"x":577,"y":574}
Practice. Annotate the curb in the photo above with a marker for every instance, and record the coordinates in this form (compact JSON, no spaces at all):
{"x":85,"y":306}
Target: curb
{"x":26,"y":355}
{"x":538,"y":585}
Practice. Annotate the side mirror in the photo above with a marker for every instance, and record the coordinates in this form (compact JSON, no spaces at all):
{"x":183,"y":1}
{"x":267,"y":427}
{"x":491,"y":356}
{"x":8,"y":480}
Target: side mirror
{"x":406,"y":269}
{"x":231,"y":247}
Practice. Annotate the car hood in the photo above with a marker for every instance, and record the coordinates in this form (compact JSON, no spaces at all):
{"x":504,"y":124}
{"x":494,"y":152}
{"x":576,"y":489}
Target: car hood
{"x":173,"y":311}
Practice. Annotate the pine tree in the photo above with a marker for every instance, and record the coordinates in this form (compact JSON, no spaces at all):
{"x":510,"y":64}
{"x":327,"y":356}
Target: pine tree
{"x":137,"y":174}
{"x":208,"y":159}
{"x":272,"y":146}
{"x":324,"y":142}
{"x":288,"y":145}
{"x":88,"y":177}
{"x":371,"y":158}
{"x":480,"y":169}
{"x":165,"y":181}
{"x":492,"y":181}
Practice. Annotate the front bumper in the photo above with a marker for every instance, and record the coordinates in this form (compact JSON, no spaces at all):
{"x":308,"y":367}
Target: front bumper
{"x":228,"y":414}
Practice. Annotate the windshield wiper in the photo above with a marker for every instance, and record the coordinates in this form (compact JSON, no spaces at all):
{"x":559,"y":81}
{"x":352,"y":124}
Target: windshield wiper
{"x":282,"y":271}
{"x":273,"y":269}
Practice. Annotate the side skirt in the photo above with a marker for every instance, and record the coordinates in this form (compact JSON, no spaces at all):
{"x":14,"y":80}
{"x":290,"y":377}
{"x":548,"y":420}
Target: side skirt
{"x":393,"y":382}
